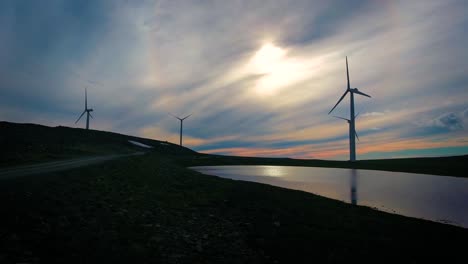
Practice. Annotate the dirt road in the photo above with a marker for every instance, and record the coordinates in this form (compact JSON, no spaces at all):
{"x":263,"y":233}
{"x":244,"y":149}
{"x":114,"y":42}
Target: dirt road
{"x":6,"y":173}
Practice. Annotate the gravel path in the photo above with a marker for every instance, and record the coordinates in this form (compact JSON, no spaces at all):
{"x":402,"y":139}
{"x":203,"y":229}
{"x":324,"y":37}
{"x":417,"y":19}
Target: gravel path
{"x":12,"y":172}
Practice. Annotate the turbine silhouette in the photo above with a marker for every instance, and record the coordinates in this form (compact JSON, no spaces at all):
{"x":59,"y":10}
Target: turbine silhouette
{"x":181,"y":124}
{"x":87,"y":111}
{"x":352,"y":130}
{"x":349,"y":122}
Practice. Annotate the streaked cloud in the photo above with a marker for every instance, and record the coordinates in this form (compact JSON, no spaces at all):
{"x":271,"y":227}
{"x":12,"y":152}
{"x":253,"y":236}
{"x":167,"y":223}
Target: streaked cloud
{"x":373,"y":114}
{"x":451,"y":121}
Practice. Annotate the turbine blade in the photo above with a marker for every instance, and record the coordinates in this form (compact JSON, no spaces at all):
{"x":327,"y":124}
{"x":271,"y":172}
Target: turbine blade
{"x":91,"y":115}
{"x":339,"y":101}
{"x":355,"y":133}
{"x":356,"y":115}
{"x":361,"y":93}
{"x":80,"y":117}
{"x":175,"y":116}
{"x":341,"y":118}
{"x":186,"y":117}
{"x":347,"y":72}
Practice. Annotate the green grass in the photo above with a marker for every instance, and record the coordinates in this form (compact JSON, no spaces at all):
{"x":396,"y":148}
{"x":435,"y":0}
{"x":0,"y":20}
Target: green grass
{"x":149,"y":209}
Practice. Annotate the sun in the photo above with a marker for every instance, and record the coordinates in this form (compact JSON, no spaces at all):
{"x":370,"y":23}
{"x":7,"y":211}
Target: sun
{"x":277,"y":70}
{"x":267,"y":58}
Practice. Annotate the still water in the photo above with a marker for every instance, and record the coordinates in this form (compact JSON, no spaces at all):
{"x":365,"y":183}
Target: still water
{"x":437,"y":198}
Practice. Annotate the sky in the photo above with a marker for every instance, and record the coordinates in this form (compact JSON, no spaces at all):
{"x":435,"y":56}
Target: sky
{"x":258,"y":77}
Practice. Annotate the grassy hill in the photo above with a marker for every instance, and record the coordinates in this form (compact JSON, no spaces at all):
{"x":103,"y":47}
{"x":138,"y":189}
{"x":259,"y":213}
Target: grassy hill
{"x":30,"y":143}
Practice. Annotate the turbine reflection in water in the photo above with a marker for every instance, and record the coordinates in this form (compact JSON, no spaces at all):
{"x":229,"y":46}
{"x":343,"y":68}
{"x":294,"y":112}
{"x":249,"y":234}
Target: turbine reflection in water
{"x":353,"y":186}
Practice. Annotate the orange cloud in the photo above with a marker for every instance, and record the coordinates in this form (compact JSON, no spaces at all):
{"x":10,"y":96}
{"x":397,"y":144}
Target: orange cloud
{"x":340,"y":148}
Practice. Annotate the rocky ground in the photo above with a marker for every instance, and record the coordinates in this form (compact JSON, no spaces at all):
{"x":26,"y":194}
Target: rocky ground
{"x":150,"y":209}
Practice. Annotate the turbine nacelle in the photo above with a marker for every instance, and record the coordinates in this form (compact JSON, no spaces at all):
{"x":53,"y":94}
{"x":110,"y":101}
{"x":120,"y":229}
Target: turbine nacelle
{"x":356,"y":91}
{"x":181,"y":119}
{"x":350,"y":90}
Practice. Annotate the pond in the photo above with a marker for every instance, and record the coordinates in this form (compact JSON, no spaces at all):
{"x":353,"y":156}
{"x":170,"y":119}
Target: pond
{"x":437,"y":198}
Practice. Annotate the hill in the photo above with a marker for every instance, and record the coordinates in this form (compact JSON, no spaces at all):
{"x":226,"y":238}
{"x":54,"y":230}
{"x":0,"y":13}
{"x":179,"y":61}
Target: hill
{"x":30,"y":143}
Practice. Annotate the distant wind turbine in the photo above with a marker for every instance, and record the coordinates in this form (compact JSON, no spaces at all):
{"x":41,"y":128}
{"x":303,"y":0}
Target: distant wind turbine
{"x":349,"y":122}
{"x":352,"y":130}
{"x":181,"y":124}
{"x":87,"y":111}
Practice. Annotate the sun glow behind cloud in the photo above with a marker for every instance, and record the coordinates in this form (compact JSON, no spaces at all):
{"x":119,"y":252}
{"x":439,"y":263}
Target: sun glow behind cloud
{"x":267,"y":59}
{"x":279,"y":69}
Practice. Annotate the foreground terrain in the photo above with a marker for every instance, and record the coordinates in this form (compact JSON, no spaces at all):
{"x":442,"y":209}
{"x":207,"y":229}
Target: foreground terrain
{"x":151,"y":209}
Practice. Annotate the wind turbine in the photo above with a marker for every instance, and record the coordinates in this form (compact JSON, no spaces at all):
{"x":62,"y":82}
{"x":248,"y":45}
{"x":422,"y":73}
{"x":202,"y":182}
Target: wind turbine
{"x":87,"y":111}
{"x":352,"y":130}
{"x":181,"y":124}
{"x":349,"y":122}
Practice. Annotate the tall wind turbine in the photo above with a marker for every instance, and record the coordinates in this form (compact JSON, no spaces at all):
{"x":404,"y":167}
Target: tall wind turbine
{"x":352,"y":130}
{"x":87,"y":111}
{"x":181,"y":125}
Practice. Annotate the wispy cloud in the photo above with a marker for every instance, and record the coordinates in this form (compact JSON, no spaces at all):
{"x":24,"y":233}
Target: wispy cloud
{"x":451,"y":121}
{"x":258,"y":76}
{"x":373,"y":114}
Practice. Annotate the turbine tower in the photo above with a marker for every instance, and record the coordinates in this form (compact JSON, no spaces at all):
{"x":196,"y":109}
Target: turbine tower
{"x":352,"y":130}
{"x":87,"y":111}
{"x":181,"y":125}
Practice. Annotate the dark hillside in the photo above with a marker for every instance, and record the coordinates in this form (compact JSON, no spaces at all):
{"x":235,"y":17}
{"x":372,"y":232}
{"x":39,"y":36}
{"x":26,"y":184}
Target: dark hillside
{"x":26,"y":143}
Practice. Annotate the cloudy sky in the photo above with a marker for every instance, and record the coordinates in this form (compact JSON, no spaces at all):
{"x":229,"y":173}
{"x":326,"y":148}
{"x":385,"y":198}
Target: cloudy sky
{"x":259,"y":76}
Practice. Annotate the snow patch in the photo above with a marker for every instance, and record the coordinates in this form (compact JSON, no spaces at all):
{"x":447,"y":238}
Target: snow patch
{"x":139,"y":144}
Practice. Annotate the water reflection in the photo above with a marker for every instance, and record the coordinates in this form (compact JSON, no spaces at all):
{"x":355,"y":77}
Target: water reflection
{"x":353,"y":185}
{"x":438,"y":198}
{"x":272,"y":171}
